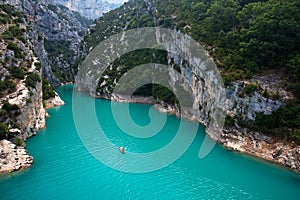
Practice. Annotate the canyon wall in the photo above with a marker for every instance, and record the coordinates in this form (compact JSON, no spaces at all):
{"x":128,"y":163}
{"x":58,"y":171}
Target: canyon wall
{"x":92,"y":9}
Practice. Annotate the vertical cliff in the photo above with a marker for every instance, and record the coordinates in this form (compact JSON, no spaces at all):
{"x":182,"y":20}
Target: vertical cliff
{"x":91,"y":8}
{"x":21,"y":86}
{"x":59,"y":32}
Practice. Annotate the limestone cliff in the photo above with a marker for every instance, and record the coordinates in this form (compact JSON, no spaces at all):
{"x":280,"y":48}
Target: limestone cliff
{"x":13,"y":158}
{"x":91,"y":8}
{"x":58,"y":34}
{"x":21,"y":91}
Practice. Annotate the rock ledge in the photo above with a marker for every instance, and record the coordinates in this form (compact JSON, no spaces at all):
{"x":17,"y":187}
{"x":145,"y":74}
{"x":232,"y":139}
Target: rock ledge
{"x":13,"y":157}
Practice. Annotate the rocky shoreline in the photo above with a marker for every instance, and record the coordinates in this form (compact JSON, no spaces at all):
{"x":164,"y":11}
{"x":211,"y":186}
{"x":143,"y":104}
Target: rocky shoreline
{"x":235,"y":138}
{"x":53,"y":102}
{"x":13,"y":157}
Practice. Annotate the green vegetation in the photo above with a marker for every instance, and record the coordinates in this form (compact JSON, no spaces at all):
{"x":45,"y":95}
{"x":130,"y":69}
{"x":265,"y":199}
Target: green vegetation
{"x":19,"y":141}
{"x":294,"y":72}
{"x":61,"y":49}
{"x":131,"y":60}
{"x":38,"y":66}
{"x":9,"y":108}
{"x":250,"y":89}
{"x":11,"y":11}
{"x":3,"y":131}
{"x":17,"y":72}
{"x":29,"y":100}
{"x":58,"y":48}
{"x":32,"y":79}
{"x":245,"y":37}
{"x":58,"y":73}
{"x":15,"y":124}
{"x":7,"y":86}
{"x":13,"y":32}
{"x":229,"y":120}
{"x":9,"y":111}
{"x":18,"y":51}
{"x":4,"y":18}
{"x":285,"y":122}
{"x":48,"y":90}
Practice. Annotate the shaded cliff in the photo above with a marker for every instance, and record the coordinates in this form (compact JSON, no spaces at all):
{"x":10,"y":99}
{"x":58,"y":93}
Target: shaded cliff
{"x":59,"y":32}
{"x":21,"y":88}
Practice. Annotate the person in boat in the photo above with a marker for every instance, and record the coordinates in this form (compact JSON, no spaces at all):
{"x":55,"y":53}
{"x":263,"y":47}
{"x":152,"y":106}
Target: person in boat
{"x":122,"y":150}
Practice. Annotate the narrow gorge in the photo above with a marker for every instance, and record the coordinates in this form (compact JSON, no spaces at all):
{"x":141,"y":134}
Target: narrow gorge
{"x":57,"y":41}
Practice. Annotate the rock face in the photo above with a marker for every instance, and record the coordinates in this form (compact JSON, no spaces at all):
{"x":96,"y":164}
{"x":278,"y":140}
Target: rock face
{"x":54,"y":101}
{"x":237,"y":103}
{"x":54,"y":24}
{"x":28,"y":98}
{"x":257,"y":144}
{"x":91,"y":8}
{"x":13,"y":158}
{"x":33,"y":114}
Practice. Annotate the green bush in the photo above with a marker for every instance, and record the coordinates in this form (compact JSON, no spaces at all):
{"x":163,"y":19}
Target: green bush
{"x":38,"y":66}
{"x":266,"y":93}
{"x":17,"y":72}
{"x":229,"y":120}
{"x":9,"y":107}
{"x":7,"y":86}
{"x":29,"y":100}
{"x":15,"y":124}
{"x":285,"y":122}
{"x":48,"y":90}
{"x":14,"y":47}
{"x":250,"y":89}
{"x":19,"y":141}
{"x":13,"y":32}
{"x":7,"y":36}
{"x":7,"y":8}
{"x":4,"y":18}
{"x":3,"y":131}
{"x":32,"y":79}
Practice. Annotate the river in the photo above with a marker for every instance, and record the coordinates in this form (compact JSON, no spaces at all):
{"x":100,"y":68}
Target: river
{"x":65,"y":169}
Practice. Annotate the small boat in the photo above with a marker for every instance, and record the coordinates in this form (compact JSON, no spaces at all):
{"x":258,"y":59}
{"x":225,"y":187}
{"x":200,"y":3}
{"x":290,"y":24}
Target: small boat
{"x":122,"y":150}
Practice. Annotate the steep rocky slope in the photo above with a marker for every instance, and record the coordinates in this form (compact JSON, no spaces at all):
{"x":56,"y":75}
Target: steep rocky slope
{"x":21,"y":88}
{"x":255,"y":95}
{"x":22,"y":111}
{"x":92,"y":9}
{"x":59,"y":33}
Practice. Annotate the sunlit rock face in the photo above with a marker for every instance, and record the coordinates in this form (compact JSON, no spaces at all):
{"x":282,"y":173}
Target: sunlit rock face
{"x":91,"y":8}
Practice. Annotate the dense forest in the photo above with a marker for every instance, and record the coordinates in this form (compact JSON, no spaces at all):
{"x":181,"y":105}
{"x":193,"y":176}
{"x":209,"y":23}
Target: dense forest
{"x":245,"y":37}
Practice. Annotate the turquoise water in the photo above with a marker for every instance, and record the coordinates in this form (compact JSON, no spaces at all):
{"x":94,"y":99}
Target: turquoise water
{"x":64,"y":169}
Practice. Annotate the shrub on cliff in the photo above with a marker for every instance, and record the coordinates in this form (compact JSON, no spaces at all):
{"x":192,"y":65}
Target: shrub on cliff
{"x":32,"y":80}
{"x":285,"y":122}
{"x":19,"y":141}
{"x":48,"y":90}
{"x":38,"y":66}
{"x":10,"y":110}
{"x":250,"y":89}
{"x":17,"y":72}
{"x":6,"y":86}
{"x":18,"y":51}
{"x":3,"y":131}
